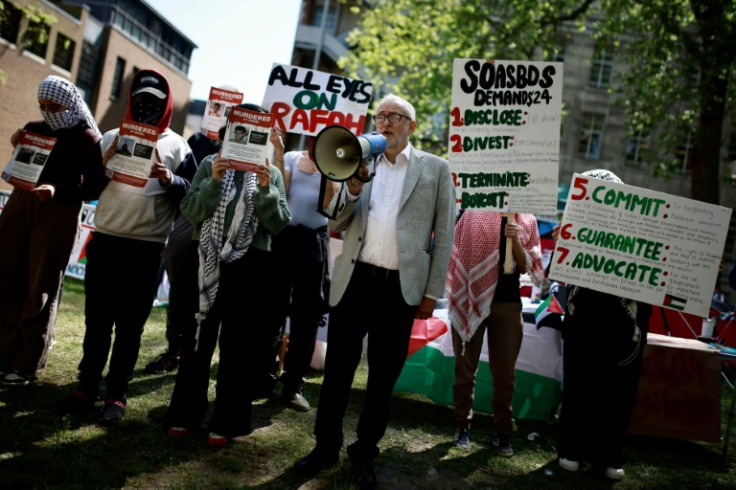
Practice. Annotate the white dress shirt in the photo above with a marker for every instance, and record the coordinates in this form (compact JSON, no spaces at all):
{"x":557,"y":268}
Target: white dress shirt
{"x":380,"y":244}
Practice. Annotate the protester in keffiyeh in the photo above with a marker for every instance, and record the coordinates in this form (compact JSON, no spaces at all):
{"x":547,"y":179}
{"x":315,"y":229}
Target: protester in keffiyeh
{"x":39,"y":228}
{"x":235,"y":213}
{"x":483,"y":297}
{"x":604,"y":337}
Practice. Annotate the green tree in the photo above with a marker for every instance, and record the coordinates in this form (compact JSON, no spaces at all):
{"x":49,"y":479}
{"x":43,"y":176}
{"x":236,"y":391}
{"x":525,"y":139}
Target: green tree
{"x":680,"y":57}
{"x":34,"y":25}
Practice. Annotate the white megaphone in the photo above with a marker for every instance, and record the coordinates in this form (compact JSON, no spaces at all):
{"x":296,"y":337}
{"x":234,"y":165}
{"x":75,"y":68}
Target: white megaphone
{"x":339,"y":154}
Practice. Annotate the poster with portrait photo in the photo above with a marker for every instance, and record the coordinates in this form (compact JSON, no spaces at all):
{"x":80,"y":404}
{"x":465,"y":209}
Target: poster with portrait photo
{"x":28,"y":160}
{"x":134,"y":154}
{"x":217,"y":110}
{"x":246,"y":138}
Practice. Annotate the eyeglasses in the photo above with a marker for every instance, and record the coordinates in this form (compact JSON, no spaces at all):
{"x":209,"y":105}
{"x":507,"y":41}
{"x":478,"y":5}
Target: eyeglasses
{"x":392,"y":118}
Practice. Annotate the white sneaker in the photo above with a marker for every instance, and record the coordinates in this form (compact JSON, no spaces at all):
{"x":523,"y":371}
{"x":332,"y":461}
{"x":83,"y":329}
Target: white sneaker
{"x":569,"y":464}
{"x":615,"y":473}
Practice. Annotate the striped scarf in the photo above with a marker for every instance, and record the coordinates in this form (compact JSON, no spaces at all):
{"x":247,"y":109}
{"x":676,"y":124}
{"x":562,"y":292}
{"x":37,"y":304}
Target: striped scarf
{"x":212,"y":250}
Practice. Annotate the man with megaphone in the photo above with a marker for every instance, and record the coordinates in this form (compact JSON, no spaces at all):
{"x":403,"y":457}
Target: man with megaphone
{"x":398,"y":239}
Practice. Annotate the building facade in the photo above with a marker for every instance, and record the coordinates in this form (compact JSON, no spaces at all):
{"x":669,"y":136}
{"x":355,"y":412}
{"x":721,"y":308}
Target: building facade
{"x":98,"y":45}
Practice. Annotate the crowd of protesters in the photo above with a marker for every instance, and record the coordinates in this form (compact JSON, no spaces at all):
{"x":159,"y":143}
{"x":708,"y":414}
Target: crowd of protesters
{"x":248,"y":249}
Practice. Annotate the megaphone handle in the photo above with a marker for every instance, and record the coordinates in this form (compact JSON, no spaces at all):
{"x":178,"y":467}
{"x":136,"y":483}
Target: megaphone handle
{"x":508,"y":263}
{"x":322,"y":190}
{"x":370,"y":176}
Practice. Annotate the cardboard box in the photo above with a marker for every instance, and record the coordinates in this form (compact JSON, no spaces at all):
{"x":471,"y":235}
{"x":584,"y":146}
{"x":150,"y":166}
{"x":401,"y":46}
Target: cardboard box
{"x":679,"y":391}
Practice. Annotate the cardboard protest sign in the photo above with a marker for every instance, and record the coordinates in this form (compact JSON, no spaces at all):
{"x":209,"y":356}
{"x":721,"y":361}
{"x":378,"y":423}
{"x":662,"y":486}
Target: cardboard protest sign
{"x":306,"y":101}
{"x":505,"y":134}
{"x":28,"y":160}
{"x":217,"y":110}
{"x":640,"y":244}
{"x":246,"y":138}
{"x":134,"y":154}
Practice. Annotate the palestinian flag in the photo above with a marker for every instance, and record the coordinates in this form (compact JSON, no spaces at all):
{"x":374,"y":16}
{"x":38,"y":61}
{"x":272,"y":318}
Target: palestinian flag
{"x":549,"y":313}
{"x":430,"y":369}
{"x":674,"y":302}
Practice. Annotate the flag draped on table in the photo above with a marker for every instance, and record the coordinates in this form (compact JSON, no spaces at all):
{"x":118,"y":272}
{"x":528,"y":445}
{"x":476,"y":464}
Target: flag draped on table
{"x":430,"y":366}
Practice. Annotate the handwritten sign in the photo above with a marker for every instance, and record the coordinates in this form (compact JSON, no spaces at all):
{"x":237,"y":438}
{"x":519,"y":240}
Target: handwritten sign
{"x":641,"y":244}
{"x":505,"y":134}
{"x":306,"y":101}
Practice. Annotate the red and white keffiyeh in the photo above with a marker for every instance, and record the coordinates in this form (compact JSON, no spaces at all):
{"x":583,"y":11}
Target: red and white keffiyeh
{"x":474,"y":266}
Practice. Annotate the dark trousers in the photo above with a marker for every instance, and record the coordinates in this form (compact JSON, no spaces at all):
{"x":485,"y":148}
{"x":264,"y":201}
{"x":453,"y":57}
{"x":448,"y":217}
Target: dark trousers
{"x":37,"y":239}
{"x":242,"y":317}
{"x":120,"y":284}
{"x":182,"y":263}
{"x":389,"y":330}
{"x":598,"y":393}
{"x":300,"y":255}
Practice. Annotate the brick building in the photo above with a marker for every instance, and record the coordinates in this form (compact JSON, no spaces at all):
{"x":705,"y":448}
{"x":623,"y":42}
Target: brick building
{"x":98,"y":45}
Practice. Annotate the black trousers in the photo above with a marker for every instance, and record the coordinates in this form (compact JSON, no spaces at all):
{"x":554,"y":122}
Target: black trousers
{"x":182,"y":263}
{"x":300,"y":259}
{"x":120,"y":284}
{"x":241,"y":316}
{"x":372,"y":304}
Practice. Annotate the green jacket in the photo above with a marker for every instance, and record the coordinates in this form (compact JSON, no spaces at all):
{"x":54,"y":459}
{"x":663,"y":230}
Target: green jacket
{"x":203,"y":199}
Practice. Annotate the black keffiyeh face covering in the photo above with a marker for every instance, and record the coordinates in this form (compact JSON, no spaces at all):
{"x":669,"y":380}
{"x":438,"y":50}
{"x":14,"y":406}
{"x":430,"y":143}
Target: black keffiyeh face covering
{"x":147,"y":109}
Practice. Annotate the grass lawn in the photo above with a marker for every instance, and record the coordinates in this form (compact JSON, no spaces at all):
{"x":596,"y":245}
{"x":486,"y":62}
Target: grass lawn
{"x":40,"y":449}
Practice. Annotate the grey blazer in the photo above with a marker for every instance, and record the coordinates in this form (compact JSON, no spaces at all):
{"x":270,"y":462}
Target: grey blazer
{"x":427,"y":205}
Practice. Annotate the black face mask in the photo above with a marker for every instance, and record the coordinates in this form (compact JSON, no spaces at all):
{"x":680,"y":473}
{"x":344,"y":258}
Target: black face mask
{"x":147,"y":108}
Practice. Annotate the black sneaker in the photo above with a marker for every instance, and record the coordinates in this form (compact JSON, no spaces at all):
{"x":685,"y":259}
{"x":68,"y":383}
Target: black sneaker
{"x":113,"y":412}
{"x":164,"y":363}
{"x":295,"y":400}
{"x":462,"y":439}
{"x":77,"y":402}
{"x":503,"y":447}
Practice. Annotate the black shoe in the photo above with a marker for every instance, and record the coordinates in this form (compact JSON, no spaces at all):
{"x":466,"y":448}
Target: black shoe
{"x":113,"y":412}
{"x":314,"y":462}
{"x":295,"y":400}
{"x":164,"y":363}
{"x":502,"y":444}
{"x":77,"y":402}
{"x":363,"y":474}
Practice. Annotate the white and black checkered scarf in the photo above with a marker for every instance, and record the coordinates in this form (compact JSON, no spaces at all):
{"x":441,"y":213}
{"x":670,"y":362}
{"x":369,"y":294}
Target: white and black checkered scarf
{"x":62,"y":91}
{"x":212,"y":250}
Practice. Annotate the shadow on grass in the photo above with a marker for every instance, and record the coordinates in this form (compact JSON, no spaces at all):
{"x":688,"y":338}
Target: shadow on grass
{"x":39,"y":448}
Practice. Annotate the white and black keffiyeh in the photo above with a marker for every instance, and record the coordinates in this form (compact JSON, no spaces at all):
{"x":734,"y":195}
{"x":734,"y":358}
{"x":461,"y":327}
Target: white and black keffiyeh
{"x":212,"y":250}
{"x":62,"y":91}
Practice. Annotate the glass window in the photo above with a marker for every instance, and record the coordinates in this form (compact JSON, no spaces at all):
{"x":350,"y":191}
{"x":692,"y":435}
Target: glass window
{"x":10,"y":22}
{"x":637,"y":149}
{"x":591,"y":134}
{"x":686,"y":152}
{"x":117,"y":81}
{"x":36,"y":38}
{"x":601,"y":69}
{"x":64,"y":52}
{"x":330,"y":21}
